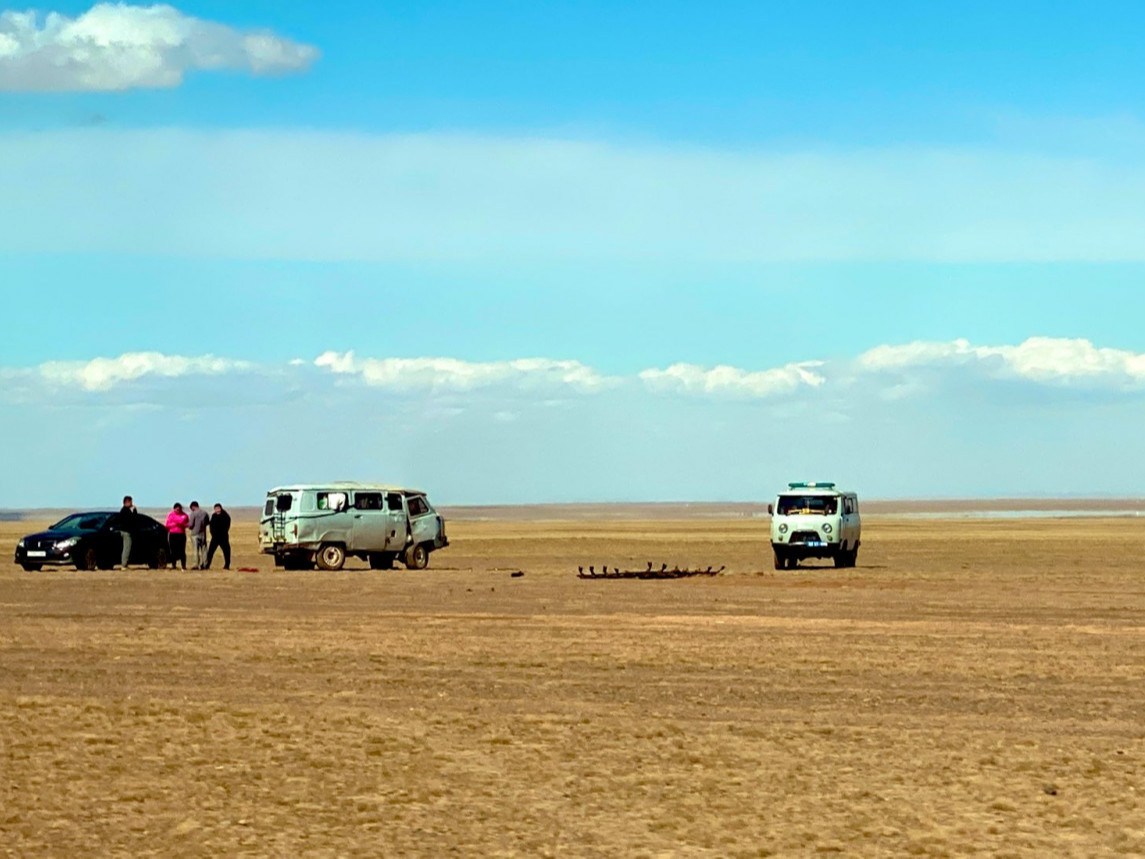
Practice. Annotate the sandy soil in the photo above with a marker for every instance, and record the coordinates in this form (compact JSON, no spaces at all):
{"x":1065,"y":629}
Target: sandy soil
{"x":971,"y":687}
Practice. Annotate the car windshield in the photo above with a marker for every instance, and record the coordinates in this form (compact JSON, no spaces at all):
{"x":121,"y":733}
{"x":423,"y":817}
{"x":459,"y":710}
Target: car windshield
{"x":78,"y":522}
{"x":807,"y":505}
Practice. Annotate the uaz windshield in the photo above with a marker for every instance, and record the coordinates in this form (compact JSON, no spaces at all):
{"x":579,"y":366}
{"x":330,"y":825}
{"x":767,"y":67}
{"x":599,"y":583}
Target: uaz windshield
{"x":807,"y":505}
{"x":78,"y":522}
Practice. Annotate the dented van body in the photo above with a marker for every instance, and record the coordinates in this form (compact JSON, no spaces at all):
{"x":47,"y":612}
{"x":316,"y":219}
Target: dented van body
{"x":322,"y":524}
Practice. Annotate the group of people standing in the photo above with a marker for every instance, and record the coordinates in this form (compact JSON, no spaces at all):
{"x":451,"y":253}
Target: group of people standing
{"x":196,"y":523}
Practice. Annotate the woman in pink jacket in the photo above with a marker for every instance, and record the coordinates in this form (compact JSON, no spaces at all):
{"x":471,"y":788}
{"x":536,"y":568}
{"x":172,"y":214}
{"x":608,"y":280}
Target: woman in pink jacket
{"x":177,"y":535}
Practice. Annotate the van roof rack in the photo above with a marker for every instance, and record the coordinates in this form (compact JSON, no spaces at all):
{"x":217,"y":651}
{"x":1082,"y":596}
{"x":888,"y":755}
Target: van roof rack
{"x":814,"y":484}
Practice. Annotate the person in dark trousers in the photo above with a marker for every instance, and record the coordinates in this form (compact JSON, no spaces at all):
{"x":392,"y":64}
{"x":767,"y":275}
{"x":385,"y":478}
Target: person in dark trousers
{"x":126,"y":522}
{"x":220,"y":527}
{"x":177,"y":535}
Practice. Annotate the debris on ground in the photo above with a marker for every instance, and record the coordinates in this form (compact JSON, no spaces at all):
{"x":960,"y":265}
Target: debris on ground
{"x":649,"y":573}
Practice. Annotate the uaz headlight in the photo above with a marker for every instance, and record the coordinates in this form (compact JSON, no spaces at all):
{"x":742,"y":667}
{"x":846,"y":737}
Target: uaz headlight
{"x":783,"y":528}
{"x":826,"y":527}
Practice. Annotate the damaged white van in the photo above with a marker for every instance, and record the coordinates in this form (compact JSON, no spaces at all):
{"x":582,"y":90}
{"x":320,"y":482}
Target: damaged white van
{"x":815,"y":520}
{"x":322,"y":524}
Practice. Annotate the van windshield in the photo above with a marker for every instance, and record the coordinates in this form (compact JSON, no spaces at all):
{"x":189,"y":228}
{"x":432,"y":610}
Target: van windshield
{"x":807,"y":505}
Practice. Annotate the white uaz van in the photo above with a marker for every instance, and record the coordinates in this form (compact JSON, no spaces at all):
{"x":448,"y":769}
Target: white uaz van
{"x":304,"y":525}
{"x":815,"y":520}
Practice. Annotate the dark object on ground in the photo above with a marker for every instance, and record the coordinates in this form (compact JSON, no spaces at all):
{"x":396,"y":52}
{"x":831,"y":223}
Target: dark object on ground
{"x":248,"y":569}
{"x":92,"y":541}
{"x":649,"y":573}
{"x":517,"y":574}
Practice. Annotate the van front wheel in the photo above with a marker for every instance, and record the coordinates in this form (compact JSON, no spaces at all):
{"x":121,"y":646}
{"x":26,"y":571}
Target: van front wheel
{"x":416,"y":558}
{"x":331,"y":557}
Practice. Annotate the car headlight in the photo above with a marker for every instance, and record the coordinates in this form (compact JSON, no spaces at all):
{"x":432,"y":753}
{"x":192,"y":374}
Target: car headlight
{"x":67,"y":544}
{"x":20,"y":545}
{"x":826,"y":527}
{"x":783,"y":528}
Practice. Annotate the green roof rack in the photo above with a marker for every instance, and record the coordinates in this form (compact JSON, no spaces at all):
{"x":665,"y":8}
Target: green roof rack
{"x":814,"y":484}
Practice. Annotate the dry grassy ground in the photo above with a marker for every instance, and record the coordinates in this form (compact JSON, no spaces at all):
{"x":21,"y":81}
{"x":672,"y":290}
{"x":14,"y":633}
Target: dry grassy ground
{"x":971,"y":687}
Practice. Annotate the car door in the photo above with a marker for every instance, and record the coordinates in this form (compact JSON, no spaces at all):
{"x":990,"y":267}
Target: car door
{"x":371,"y":523}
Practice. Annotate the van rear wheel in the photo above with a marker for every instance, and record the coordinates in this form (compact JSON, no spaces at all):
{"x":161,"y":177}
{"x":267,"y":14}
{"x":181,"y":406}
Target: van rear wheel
{"x":780,"y":560}
{"x":331,"y":557}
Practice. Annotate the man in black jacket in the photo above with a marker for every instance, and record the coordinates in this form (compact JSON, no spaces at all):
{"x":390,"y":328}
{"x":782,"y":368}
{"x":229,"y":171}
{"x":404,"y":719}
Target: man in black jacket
{"x":220,"y":528}
{"x":127,"y":523}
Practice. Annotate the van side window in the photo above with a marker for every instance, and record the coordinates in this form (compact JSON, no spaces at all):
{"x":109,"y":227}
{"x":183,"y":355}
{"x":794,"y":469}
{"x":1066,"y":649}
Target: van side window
{"x":417,"y":505}
{"x":368,"y":500}
{"x":394,"y":502}
{"x":331,"y":501}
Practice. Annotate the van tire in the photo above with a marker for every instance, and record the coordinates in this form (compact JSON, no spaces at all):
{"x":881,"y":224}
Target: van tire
{"x":331,"y":557}
{"x":780,"y":560}
{"x":416,"y":557}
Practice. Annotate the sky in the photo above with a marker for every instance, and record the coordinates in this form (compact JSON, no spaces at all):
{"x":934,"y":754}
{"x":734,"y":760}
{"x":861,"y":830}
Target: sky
{"x":551,"y":252}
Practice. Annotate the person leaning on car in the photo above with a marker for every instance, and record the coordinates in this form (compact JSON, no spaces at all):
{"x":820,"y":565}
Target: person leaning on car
{"x":127,"y":523}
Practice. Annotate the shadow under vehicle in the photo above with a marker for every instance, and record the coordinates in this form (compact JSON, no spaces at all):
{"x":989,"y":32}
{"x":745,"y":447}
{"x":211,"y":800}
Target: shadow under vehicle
{"x":91,"y":541}
{"x":323,"y":524}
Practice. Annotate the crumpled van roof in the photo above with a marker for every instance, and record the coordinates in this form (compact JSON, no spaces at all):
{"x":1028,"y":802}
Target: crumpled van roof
{"x":345,"y":486}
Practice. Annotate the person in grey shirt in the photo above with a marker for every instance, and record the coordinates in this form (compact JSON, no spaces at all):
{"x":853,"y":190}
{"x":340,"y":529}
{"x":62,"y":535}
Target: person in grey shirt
{"x":197,"y":531}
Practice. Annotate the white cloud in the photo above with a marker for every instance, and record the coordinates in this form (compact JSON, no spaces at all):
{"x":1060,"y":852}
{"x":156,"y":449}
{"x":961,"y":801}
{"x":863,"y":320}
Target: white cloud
{"x":733,"y":381}
{"x":116,"y":46}
{"x":897,"y":371}
{"x":102,"y":374}
{"x":405,"y":374}
{"x":1046,"y":360}
{"x":455,"y":198}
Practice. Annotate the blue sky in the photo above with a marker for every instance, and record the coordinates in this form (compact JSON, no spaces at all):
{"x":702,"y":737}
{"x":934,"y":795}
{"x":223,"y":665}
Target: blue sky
{"x":558,"y":251}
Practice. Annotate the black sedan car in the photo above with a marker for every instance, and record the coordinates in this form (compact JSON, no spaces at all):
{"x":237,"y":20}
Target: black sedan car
{"x":91,"y":541}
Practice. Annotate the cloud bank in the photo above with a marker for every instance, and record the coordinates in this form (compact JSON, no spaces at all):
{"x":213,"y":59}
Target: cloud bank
{"x":116,"y":46}
{"x":404,"y":374}
{"x":919,"y":367}
{"x":1045,"y":360}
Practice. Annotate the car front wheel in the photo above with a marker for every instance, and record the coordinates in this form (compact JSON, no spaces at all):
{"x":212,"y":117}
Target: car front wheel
{"x":32,"y":568}
{"x":416,"y":558}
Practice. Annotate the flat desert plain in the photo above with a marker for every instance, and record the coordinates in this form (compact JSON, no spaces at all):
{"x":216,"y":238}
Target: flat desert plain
{"x":972,"y":687}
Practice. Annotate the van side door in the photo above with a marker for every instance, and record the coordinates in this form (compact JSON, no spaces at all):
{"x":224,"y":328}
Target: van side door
{"x":371,"y":522}
{"x":397,"y":536}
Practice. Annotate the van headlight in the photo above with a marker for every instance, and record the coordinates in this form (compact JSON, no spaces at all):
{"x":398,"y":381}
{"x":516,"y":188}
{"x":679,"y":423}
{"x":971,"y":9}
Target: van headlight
{"x":826,"y":527}
{"x":783,"y":528}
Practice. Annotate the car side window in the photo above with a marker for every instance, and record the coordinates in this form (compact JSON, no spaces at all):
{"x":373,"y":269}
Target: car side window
{"x":417,"y":505}
{"x":394,"y":501}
